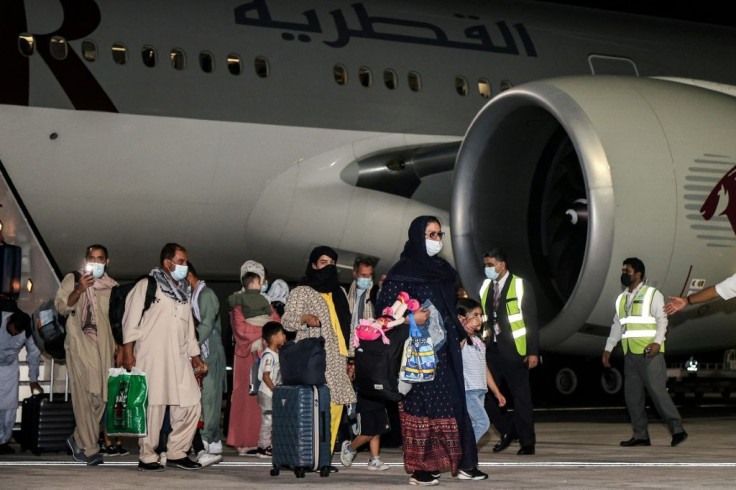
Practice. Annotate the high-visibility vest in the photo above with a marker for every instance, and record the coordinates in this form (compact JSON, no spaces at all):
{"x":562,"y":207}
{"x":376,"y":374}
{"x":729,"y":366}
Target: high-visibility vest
{"x":638,"y":325}
{"x":514,"y":295}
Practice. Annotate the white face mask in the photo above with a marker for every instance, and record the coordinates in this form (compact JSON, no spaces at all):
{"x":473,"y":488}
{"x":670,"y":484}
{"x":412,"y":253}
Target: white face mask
{"x":97,"y":270}
{"x":179,"y":272}
{"x":433,"y":247}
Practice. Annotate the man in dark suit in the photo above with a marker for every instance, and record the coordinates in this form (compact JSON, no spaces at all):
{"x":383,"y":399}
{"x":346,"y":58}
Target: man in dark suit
{"x":513,"y":347}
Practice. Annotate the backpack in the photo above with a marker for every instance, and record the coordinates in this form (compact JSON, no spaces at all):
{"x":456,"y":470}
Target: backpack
{"x":117,"y":304}
{"x":50,"y":327}
{"x":377,"y":365}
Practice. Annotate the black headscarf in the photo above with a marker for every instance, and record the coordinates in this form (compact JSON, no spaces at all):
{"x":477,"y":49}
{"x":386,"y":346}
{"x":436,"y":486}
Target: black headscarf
{"x":324,"y":280}
{"x":415,"y":263}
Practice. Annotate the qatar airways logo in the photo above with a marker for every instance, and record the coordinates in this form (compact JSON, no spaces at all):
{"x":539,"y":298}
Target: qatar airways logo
{"x":722,"y":199}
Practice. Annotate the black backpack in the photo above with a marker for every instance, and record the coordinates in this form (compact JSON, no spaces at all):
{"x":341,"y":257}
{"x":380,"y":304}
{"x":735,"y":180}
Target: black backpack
{"x":49,"y":327}
{"x":117,"y":304}
{"x":377,"y":365}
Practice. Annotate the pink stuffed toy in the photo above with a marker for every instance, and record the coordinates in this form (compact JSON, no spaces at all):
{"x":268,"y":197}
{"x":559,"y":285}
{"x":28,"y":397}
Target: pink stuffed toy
{"x":370,"y":329}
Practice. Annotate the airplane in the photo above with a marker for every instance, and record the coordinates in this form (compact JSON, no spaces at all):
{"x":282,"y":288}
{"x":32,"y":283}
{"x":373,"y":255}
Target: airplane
{"x":258,"y":129}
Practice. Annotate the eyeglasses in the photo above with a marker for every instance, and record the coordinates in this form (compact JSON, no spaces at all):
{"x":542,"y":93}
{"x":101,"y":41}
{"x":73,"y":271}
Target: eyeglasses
{"x":435,"y":234}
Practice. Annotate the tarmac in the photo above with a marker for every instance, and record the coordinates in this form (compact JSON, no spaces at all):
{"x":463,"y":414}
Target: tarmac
{"x":576,"y":448}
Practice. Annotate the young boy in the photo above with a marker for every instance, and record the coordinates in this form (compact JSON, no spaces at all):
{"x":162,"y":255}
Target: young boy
{"x":372,"y":421}
{"x":252,"y":303}
{"x":269,"y":374}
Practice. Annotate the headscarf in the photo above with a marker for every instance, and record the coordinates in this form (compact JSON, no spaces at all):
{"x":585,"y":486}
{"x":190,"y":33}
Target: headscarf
{"x":415,"y":264}
{"x":278,"y":292}
{"x":252,"y":266}
{"x":324,"y":280}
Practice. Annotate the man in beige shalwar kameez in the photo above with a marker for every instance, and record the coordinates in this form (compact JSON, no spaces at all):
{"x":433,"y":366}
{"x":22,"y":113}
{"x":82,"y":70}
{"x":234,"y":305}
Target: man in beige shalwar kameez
{"x":161,"y":344}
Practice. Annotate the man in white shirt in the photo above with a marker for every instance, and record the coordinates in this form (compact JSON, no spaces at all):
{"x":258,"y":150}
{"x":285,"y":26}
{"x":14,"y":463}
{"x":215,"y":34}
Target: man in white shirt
{"x":641,"y":324}
{"x":725,"y":289}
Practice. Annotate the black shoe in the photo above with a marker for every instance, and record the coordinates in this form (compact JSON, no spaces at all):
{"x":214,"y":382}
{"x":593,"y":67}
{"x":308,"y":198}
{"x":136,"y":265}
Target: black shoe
{"x":77,"y":453}
{"x":505,"y":441}
{"x":183,"y":463}
{"x":423,"y":478}
{"x":94,"y":460}
{"x":333,"y":469}
{"x":121,"y":451}
{"x":109,"y":451}
{"x":5,"y":449}
{"x":471,"y":474}
{"x":526,"y":450}
{"x":678,"y":438}
{"x":435,"y":474}
{"x":637,"y":442}
{"x":150,"y":466}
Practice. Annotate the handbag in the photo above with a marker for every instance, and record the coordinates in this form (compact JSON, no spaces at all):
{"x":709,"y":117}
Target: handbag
{"x":419,"y":361}
{"x":127,"y":401}
{"x":304,"y":362}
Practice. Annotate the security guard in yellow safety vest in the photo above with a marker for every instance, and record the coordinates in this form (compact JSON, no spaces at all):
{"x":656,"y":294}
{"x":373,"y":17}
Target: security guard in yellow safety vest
{"x":640,"y":323}
{"x":513,"y":348}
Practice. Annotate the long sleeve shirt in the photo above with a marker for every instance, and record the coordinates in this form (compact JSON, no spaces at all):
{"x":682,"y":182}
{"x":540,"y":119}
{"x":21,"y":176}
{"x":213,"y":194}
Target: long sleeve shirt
{"x":657,"y":311}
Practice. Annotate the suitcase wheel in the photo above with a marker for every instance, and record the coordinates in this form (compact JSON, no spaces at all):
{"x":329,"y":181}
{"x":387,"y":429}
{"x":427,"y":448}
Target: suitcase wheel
{"x":275,"y":471}
{"x":324,"y":471}
{"x":299,"y":472}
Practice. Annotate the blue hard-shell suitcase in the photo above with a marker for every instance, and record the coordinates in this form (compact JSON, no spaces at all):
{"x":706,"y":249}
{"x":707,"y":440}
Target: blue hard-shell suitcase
{"x":301,"y":429}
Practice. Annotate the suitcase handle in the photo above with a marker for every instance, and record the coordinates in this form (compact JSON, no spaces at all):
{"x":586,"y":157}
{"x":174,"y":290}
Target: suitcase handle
{"x":66,"y":384}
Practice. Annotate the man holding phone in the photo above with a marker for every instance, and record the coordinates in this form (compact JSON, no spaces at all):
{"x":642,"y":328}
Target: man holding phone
{"x":90,"y":348}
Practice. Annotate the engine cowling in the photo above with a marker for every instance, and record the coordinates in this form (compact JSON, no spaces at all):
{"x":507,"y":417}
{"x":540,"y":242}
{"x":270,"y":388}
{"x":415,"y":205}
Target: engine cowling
{"x":573,"y":175}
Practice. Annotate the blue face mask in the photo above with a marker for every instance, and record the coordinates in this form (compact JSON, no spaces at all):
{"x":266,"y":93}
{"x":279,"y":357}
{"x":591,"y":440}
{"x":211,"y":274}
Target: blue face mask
{"x":264,"y":287}
{"x":491,"y":273}
{"x":97,"y":270}
{"x":179,"y":272}
{"x":363,"y":282}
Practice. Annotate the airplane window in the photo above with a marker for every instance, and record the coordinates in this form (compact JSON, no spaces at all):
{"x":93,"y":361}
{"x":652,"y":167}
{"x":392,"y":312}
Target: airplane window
{"x":341,"y":75}
{"x":119,"y":53}
{"x":89,"y":50}
{"x":389,"y":79}
{"x":505,"y":85}
{"x":262,"y":68}
{"x":206,"y":62}
{"x":415,"y":81}
{"x":58,"y":47}
{"x":484,"y":88}
{"x":461,"y":86}
{"x":234,"y":64}
{"x":178,"y":59}
{"x":26,"y":44}
{"x":148,"y":53}
{"x":364,"y":74}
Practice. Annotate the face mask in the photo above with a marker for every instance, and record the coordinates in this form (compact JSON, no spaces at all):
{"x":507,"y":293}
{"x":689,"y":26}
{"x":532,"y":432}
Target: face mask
{"x":264,"y":287}
{"x":179,"y":272}
{"x":433,"y":247}
{"x":97,"y":270}
{"x":626,"y":279}
{"x":364,"y":282}
{"x":491,"y":273}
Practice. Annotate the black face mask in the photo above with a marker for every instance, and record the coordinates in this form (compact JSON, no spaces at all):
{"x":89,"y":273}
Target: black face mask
{"x":626,"y":279}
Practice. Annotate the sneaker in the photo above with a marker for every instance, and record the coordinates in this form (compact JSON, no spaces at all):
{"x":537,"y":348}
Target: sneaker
{"x":94,"y":460}
{"x":376,"y":464}
{"x":435,"y":474}
{"x":121,"y":451}
{"x":109,"y":451}
{"x":471,"y":474}
{"x":184,"y":463}
{"x":77,"y":453}
{"x":347,"y":455}
{"x":162,"y":459}
{"x":213,"y":447}
{"x":264,"y":453}
{"x":150,"y":466}
{"x":248,"y":452}
{"x":423,"y":478}
{"x":206,"y":446}
{"x":207,"y":459}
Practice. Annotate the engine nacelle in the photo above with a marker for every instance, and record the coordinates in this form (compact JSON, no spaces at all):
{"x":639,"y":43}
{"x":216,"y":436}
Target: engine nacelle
{"x":573,"y":175}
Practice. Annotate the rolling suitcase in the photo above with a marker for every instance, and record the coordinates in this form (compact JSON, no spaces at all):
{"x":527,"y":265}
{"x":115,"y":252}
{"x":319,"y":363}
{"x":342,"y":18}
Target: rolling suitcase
{"x":301,"y":429}
{"x":46,"y":423}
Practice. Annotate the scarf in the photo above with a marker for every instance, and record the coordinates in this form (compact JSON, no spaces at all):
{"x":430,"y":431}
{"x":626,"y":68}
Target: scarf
{"x":177,"y":292}
{"x":252,"y":266}
{"x":324,"y":280}
{"x":89,"y":305}
{"x":205,"y":347}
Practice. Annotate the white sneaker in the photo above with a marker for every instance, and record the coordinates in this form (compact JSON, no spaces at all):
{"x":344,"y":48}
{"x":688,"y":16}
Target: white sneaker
{"x":213,"y":447}
{"x":207,"y":459}
{"x":206,"y":446}
{"x":162,"y":459}
{"x":376,"y":464}
{"x":346,"y":455}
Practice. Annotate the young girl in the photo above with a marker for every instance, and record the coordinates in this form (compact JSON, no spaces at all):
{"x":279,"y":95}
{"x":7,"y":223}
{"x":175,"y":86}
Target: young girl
{"x":478,"y":378}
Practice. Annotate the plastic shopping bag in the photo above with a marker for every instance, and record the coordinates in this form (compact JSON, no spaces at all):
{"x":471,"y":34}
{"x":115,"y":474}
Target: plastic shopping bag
{"x":127,"y":401}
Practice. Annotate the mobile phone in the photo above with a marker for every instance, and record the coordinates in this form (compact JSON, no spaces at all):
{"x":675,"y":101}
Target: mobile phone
{"x":88,"y":268}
